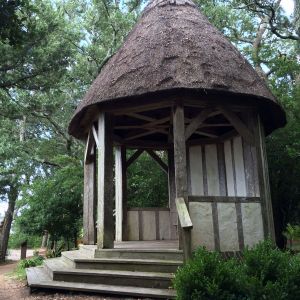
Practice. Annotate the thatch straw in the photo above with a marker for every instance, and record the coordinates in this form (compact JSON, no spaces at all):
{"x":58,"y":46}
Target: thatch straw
{"x":174,"y":46}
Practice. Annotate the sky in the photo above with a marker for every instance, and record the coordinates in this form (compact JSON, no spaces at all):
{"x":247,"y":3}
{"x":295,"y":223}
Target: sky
{"x":288,"y":6}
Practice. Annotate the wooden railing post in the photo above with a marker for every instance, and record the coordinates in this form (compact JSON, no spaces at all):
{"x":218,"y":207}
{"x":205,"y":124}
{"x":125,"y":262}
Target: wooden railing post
{"x":186,"y":225}
{"x":181,"y":175}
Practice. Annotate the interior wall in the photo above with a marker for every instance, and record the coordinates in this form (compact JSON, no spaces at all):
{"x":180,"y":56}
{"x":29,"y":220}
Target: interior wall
{"x":217,"y":171}
{"x":148,"y":224}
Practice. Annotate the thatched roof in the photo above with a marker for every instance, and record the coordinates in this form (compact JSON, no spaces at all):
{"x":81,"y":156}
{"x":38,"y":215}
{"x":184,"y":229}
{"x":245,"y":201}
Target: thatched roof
{"x":173,"y":46}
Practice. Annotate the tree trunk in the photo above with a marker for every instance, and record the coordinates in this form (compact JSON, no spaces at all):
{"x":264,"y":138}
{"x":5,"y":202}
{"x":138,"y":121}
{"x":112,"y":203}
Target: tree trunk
{"x":6,"y":224}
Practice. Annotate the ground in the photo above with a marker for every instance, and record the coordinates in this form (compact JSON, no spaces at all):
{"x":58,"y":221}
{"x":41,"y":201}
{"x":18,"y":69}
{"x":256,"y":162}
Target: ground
{"x":17,"y":290}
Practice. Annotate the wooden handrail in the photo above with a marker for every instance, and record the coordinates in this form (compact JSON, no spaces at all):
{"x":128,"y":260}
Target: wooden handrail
{"x":183,"y":214}
{"x":187,"y":225}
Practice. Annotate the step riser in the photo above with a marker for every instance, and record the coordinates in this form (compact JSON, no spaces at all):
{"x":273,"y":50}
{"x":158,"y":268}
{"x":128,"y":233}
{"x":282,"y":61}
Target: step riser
{"x":68,"y":261}
{"x":48,"y":271}
{"x":113,"y":280}
{"x":138,"y":255}
{"x":126,"y":267}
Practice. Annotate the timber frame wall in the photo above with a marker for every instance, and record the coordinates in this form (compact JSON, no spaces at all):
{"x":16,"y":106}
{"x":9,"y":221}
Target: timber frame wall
{"x":223,"y":181}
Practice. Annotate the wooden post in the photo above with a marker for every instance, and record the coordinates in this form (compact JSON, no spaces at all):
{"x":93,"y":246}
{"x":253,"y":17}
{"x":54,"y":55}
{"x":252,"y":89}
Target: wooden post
{"x":23,"y":250}
{"x":45,"y":239}
{"x":263,"y":176}
{"x":121,"y":193}
{"x":181,"y":188}
{"x":172,"y":195}
{"x":89,"y":202}
{"x":105,"y":219}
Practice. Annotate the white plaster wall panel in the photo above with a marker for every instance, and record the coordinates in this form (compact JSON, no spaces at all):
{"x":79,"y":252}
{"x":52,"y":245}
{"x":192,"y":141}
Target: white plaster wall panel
{"x":228,"y":231}
{"x":239,"y":167}
{"x":133,"y":225}
{"x":119,"y":194}
{"x":252,"y":223}
{"x":212,"y":170}
{"x":196,"y":171}
{"x":148,"y":225}
{"x":229,"y":168}
{"x":164,"y":225}
{"x":202,"y":233}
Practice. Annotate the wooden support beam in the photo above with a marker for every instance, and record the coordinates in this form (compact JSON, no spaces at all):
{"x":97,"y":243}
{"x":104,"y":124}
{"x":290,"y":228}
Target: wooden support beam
{"x":159,"y":161}
{"x":140,"y":117}
{"x":181,"y":186}
{"x":238,"y":124}
{"x":121,"y":193}
{"x":145,"y":133}
{"x":133,"y":157}
{"x":196,"y":122}
{"x":105,"y":219}
{"x":89,"y":149}
{"x":263,"y":176}
{"x":148,"y":126}
{"x":172,"y":195}
{"x":199,"y":132}
{"x":95,"y":135}
{"x":179,"y":152}
{"x":204,"y":125}
{"x":89,"y":202}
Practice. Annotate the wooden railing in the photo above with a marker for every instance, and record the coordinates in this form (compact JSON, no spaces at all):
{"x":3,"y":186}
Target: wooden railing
{"x":186,"y":225}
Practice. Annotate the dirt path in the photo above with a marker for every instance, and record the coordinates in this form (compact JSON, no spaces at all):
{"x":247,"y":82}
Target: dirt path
{"x":17,"y":290}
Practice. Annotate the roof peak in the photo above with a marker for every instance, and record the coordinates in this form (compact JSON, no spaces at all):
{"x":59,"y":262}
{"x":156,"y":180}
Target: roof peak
{"x":160,"y":3}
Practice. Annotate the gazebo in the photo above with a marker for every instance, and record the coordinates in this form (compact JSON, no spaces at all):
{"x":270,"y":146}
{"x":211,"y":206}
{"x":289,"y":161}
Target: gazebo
{"x":175,"y":85}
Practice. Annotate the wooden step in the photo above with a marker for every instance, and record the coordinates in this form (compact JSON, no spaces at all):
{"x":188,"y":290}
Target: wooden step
{"x":139,"y":254}
{"x":59,"y":271}
{"x":144,"y":265}
{"x":37,"y":277}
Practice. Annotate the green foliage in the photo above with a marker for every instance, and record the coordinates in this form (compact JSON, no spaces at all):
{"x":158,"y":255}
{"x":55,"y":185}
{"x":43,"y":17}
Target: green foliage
{"x":292,"y":232}
{"x":147,"y":183}
{"x":31,"y":262}
{"x":265,"y":272}
{"x":20,"y":273}
{"x":16,"y":238}
{"x":208,"y":276}
{"x":56,"y":252}
{"x":58,"y":212}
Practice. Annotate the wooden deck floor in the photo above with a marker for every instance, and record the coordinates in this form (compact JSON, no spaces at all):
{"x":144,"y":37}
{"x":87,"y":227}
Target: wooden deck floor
{"x":143,"y":245}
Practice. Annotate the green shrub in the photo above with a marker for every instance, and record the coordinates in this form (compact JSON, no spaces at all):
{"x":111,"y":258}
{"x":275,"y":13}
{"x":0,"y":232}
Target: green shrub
{"x":19,"y":272}
{"x":30,"y":262}
{"x":265,"y":272}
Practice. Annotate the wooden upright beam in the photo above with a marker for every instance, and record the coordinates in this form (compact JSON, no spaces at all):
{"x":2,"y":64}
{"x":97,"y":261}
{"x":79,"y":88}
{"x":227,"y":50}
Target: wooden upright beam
{"x":263,"y":176}
{"x":121,"y":193}
{"x":89,"y":202}
{"x":105,"y":219}
{"x":181,"y":185}
{"x":172,"y":195}
{"x":179,"y":152}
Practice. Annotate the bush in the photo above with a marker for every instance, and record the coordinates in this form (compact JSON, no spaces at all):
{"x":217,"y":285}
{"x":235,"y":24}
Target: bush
{"x":265,"y":272}
{"x":30,"y":262}
{"x":19,"y":272}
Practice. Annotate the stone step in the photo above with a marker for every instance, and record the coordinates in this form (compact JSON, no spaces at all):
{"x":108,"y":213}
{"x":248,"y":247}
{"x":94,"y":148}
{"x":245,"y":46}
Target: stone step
{"x":37,"y":277}
{"x":79,"y":261}
{"x":140,"y":254}
{"x":59,"y":271}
